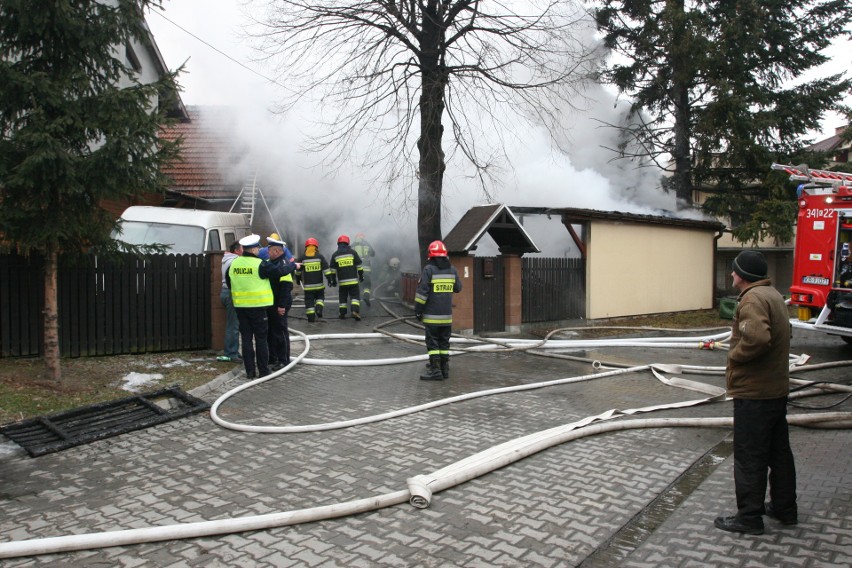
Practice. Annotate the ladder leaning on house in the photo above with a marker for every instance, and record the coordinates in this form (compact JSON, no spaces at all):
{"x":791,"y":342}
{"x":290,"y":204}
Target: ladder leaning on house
{"x":246,"y":202}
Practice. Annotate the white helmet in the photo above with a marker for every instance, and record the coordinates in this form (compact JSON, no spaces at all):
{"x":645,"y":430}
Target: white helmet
{"x":394,"y":262}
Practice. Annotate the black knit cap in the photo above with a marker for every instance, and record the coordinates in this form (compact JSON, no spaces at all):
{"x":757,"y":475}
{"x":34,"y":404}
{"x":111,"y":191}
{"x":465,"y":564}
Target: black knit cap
{"x":751,"y":266}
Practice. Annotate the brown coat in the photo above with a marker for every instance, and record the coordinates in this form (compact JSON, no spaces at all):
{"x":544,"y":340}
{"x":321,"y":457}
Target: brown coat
{"x":758,"y":360}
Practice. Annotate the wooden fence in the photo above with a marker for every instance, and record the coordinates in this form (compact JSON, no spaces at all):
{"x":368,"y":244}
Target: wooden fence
{"x":108,"y":306}
{"x":553,"y":289}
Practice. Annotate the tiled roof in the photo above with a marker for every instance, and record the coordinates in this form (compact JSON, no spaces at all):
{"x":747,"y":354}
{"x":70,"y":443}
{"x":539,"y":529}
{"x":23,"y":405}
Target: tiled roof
{"x":209,"y":155}
{"x":829,"y":144}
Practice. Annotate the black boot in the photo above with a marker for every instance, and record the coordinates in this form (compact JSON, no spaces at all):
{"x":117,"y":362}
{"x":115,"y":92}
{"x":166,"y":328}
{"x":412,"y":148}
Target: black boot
{"x":433,"y":373}
{"x":319,"y":312}
{"x":445,"y":366}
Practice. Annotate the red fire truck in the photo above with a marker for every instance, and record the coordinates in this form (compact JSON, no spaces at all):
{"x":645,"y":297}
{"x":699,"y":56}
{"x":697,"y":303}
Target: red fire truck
{"x":822,"y":261}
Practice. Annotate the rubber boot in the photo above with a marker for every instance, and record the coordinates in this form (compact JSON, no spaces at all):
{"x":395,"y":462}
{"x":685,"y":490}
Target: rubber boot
{"x":319,"y":312}
{"x":433,"y":373}
{"x":445,"y":366}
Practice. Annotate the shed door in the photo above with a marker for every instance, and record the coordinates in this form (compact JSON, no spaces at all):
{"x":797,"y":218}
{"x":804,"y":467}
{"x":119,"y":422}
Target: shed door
{"x":488,"y":295}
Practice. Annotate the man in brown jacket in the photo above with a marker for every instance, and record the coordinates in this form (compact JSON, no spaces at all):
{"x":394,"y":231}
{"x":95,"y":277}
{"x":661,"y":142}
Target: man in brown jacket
{"x":758,"y":379}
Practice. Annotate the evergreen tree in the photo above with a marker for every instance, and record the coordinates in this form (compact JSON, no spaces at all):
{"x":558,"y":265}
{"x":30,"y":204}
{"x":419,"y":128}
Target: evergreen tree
{"x":76,"y":128}
{"x":712,"y":82}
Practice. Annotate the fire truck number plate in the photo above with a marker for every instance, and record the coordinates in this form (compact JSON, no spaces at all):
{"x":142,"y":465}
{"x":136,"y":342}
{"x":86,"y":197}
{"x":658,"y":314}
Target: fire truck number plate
{"x":818,"y":280}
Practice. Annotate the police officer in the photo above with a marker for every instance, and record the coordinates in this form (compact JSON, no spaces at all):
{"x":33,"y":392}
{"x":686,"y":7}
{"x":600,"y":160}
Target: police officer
{"x":346,"y":267}
{"x":282,"y":293}
{"x":248,"y":279}
{"x":433,"y":305}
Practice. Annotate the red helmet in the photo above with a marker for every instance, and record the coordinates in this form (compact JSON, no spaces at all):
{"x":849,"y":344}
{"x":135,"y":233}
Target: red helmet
{"x":437,"y":248}
{"x":343,"y":239}
{"x":311,"y":241}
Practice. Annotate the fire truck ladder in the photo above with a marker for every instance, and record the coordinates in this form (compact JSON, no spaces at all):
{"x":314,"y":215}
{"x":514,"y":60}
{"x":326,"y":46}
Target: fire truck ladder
{"x":803,"y":173}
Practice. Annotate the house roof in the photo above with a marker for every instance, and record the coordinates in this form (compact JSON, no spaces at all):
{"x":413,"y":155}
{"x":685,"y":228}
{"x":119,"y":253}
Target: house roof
{"x":499,"y":222}
{"x":208,"y":166}
{"x":829,"y":144}
{"x":177,"y":109}
{"x":573,"y":215}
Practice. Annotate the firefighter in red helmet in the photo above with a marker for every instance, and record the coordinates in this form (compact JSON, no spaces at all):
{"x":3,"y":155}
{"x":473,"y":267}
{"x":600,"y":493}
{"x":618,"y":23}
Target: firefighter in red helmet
{"x":433,"y":305}
{"x":346,"y":268}
{"x":310,"y":276}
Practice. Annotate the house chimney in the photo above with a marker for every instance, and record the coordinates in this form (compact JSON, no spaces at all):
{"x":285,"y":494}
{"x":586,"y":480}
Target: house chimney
{"x":839,"y":130}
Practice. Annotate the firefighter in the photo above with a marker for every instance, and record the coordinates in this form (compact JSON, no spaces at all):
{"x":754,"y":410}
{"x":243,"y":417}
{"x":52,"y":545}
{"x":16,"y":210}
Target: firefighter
{"x":390,"y":278}
{"x":433,"y":305}
{"x":310,"y":276}
{"x":347,"y":272}
{"x":282,"y":292}
{"x":248,"y":279}
{"x":366,"y":251}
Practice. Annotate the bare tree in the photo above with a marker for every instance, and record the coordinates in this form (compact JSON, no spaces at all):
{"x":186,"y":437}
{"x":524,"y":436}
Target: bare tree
{"x":392,"y":73}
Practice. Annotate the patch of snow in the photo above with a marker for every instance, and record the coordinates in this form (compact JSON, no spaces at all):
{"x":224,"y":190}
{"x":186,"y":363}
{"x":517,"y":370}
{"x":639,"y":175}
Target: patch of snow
{"x":175,"y":363}
{"x":133,"y":382}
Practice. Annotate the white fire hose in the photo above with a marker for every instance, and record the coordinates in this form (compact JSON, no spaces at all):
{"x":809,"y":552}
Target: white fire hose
{"x":420,"y":488}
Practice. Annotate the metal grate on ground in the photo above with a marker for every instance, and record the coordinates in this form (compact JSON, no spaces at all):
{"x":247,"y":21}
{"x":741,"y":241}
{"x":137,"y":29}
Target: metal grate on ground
{"x":48,"y":434}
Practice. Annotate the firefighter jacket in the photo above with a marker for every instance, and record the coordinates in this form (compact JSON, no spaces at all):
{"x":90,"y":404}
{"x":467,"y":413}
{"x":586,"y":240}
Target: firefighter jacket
{"x":366,"y":251}
{"x":314,"y":267}
{"x":346,"y":266}
{"x":759,"y":354}
{"x":433,"y":301}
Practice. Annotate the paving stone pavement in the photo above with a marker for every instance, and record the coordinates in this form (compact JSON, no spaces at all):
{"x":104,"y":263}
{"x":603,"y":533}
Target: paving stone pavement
{"x":570,"y":505}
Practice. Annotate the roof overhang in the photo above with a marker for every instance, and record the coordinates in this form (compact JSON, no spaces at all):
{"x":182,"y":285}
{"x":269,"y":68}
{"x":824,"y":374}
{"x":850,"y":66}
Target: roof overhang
{"x":498,"y":221}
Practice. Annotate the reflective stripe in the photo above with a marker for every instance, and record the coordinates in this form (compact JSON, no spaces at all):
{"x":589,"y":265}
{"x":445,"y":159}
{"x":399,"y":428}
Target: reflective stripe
{"x":248,"y":289}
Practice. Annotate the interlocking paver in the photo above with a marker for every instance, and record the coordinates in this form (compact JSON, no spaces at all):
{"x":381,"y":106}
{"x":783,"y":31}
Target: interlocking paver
{"x":555,"y":508}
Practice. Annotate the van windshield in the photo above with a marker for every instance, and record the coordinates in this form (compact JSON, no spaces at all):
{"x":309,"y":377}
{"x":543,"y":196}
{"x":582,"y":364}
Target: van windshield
{"x":181,"y":239}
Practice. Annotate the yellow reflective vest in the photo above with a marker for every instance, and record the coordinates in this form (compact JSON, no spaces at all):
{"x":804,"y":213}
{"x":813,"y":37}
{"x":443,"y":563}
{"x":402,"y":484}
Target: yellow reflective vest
{"x":248,"y":289}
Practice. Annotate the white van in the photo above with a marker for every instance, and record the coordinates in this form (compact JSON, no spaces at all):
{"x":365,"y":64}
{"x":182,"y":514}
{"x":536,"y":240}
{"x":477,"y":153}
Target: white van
{"x":183,"y":231}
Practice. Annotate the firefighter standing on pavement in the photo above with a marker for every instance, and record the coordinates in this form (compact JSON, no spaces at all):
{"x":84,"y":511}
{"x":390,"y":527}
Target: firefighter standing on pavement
{"x":347,"y":272}
{"x":310,"y":276}
{"x":433,"y":305}
{"x":248,"y":279}
{"x":282,"y":292}
{"x":366,"y":251}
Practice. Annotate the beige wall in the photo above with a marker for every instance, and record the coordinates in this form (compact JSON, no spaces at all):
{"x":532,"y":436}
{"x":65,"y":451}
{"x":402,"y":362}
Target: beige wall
{"x":637,"y":269}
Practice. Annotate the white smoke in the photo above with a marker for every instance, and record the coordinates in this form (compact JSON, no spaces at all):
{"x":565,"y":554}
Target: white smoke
{"x":577,"y":170}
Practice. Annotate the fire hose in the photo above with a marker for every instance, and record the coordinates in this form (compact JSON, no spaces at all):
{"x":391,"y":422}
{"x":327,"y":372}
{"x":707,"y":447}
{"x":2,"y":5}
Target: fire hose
{"x":420,"y":488}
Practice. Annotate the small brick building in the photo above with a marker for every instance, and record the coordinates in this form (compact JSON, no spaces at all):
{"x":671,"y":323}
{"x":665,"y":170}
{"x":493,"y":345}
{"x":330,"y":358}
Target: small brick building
{"x":479,"y":276}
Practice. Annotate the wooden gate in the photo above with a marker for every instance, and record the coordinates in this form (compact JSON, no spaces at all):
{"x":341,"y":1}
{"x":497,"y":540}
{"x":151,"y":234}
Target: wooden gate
{"x":553,"y":289}
{"x":489,"y":306}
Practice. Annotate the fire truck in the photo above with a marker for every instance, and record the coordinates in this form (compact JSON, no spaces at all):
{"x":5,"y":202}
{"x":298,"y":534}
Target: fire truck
{"x":822,"y":261}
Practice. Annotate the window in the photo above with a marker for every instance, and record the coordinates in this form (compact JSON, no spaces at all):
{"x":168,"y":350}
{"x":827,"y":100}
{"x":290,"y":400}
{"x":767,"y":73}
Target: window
{"x":132,"y":60}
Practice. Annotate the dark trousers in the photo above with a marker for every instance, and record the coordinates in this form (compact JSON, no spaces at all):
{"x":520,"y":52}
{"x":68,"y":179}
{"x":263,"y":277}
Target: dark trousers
{"x":314,"y":302}
{"x":347,"y":294}
{"x":232,"y":325}
{"x":438,"y":339}
{"x":761,"y":446}
{"x":279,"y":337}
{"x":254,"y":330}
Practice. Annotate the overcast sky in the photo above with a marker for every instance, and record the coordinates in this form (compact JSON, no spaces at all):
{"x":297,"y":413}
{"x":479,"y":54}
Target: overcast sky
{"x":213,"y":78}
{"x":220,"y":69}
